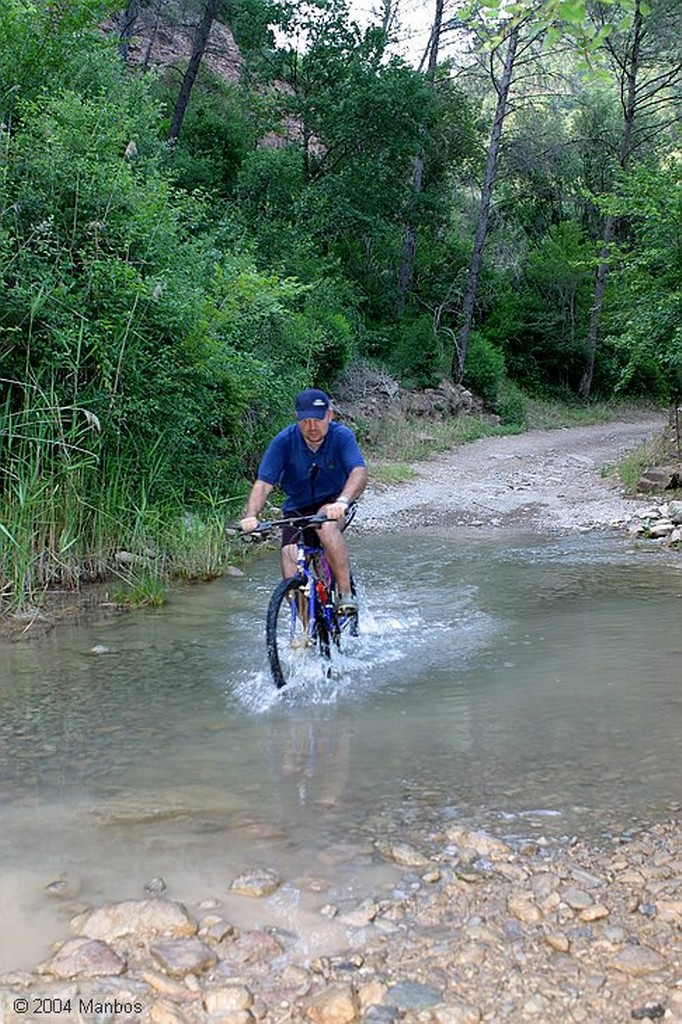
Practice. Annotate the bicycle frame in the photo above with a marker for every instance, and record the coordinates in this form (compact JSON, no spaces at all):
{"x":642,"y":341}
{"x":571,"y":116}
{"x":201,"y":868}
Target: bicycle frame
{"x":317,"y":585}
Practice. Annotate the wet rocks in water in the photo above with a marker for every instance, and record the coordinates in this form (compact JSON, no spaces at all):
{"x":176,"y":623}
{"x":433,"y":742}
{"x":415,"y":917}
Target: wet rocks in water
{"x":65,"y":887}
{"x":401,"y":853}
{"x":484,"y":845}
{"x":553,"y":933}
{"x":256,"y":882}
{"x":155,"y":887}
{"x":234,"y":571}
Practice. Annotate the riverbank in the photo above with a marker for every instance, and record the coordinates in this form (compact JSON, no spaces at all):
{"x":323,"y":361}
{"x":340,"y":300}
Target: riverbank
{"x":476,"y":930}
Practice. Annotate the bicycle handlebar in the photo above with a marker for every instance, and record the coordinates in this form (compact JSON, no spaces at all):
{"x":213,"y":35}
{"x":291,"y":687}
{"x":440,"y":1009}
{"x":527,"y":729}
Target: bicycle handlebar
{"x":300,"y":521}
{"x":272,"y":524}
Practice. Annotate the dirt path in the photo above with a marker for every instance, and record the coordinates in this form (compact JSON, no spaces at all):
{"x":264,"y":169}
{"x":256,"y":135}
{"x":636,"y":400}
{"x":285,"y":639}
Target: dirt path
{"x":541,"y":480}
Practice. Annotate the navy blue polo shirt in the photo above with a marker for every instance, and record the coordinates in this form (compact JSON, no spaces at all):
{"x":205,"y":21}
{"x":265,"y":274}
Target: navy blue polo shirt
{"x":309,"y":478}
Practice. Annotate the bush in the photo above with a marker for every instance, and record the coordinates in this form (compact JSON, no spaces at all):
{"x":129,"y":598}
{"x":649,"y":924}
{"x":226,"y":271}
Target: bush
{"x":484,"y":371}
{"x":417,"y":356}
{"x":216,"y":138}
{"x":511,"y":404}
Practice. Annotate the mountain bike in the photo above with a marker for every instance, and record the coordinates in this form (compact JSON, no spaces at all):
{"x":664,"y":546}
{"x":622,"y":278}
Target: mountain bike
{"x":302,"y":614}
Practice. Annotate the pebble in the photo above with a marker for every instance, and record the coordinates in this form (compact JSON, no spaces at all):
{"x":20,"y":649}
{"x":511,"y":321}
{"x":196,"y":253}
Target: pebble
{"x":594,"y":912}
{"x":228,"y":998}
{"x":337,"y":1004}
{"x":155,"y":887}
{"x":456,"y":1013}
{"x":256,"y":883}
{"x":178,"y":957}
{"x":638,"y":960}
{"x":413,"y":995}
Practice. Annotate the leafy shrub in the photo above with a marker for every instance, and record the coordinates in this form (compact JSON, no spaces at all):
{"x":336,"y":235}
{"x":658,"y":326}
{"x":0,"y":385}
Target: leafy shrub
{"x":484,"y":371}
{"x":511,"y":404}
{"x":216,"y":137}
{"x":417,"y":356}
{"x":269,"y":183}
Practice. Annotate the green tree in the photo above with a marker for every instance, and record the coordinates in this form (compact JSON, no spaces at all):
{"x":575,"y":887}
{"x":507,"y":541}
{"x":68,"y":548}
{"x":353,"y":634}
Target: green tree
{"x":648,"y":282}
{"x":647,"y":76}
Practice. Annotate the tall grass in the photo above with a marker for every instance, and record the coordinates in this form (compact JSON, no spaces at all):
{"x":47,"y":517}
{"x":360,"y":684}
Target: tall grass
{"x":550,"y":413}
{"x":72,"y":513}
{"x":47,"y":452}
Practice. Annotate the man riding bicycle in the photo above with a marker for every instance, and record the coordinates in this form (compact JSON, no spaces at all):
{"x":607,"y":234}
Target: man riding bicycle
{"x":319,"y":466}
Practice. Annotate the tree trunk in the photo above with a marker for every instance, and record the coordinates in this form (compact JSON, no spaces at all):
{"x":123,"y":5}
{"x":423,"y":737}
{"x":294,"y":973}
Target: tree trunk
{"x":469,"y":300}
{"x":595,"y":310}
{"x":125,"y":27}
{"x":630,"y":68}
{"x":198,"y":50}
{"x":410,"y":237}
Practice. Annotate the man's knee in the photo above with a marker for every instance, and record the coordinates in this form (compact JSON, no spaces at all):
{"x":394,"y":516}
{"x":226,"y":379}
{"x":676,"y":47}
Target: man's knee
{"x":288,"y":558}
{"x":331,"y":529}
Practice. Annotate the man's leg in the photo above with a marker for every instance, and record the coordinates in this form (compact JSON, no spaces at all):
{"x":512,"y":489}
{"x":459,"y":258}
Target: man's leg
{"x":336,"y":550}
{"x":287,"y":556}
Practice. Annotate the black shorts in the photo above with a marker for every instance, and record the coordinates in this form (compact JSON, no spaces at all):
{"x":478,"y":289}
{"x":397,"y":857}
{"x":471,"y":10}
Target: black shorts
{"x":310,"y":535}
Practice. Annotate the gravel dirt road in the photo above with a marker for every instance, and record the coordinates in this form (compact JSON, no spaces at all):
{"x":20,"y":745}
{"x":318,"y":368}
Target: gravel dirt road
{"x":543,"y":480}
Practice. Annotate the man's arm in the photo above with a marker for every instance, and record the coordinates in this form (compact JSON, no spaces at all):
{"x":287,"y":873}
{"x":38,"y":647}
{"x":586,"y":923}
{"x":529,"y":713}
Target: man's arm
{"x":355,"y":484}
{"x":255,"y":502}
{"x":352,"y":489}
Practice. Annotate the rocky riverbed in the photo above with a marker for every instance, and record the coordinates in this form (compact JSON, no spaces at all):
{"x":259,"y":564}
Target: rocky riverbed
{"x":476,"y":930}
{"x":478,"y":927}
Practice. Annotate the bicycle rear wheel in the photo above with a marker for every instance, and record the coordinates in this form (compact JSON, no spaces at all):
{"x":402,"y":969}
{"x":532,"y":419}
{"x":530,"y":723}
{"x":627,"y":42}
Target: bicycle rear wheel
{"x":288,"y":633}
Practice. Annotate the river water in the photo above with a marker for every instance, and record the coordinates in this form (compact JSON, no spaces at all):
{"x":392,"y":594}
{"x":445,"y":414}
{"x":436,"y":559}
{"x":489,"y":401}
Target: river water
{"x":530,"y":686}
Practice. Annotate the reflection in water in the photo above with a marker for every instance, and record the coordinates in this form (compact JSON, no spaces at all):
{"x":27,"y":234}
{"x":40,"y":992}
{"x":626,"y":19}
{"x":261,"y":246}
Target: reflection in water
{"x":527,"y":686}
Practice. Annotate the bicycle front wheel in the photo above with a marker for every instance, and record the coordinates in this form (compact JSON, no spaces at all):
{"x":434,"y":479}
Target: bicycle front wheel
{"x":287,"y":630}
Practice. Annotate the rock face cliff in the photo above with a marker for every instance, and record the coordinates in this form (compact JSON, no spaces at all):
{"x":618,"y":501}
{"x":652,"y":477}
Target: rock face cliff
{"x":162,"y":36}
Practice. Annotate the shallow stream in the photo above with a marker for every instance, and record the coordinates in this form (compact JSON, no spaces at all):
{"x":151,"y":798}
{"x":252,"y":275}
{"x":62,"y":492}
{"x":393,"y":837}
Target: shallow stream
{"x":530,"y":686}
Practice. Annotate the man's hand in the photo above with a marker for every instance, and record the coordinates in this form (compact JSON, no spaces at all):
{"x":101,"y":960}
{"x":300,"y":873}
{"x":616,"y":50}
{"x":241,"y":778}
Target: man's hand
{"x":335,"y":510}
{"x":248,"y":524}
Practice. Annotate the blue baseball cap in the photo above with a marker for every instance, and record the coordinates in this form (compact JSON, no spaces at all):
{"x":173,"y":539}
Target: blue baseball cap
{"x":312,"y":404}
